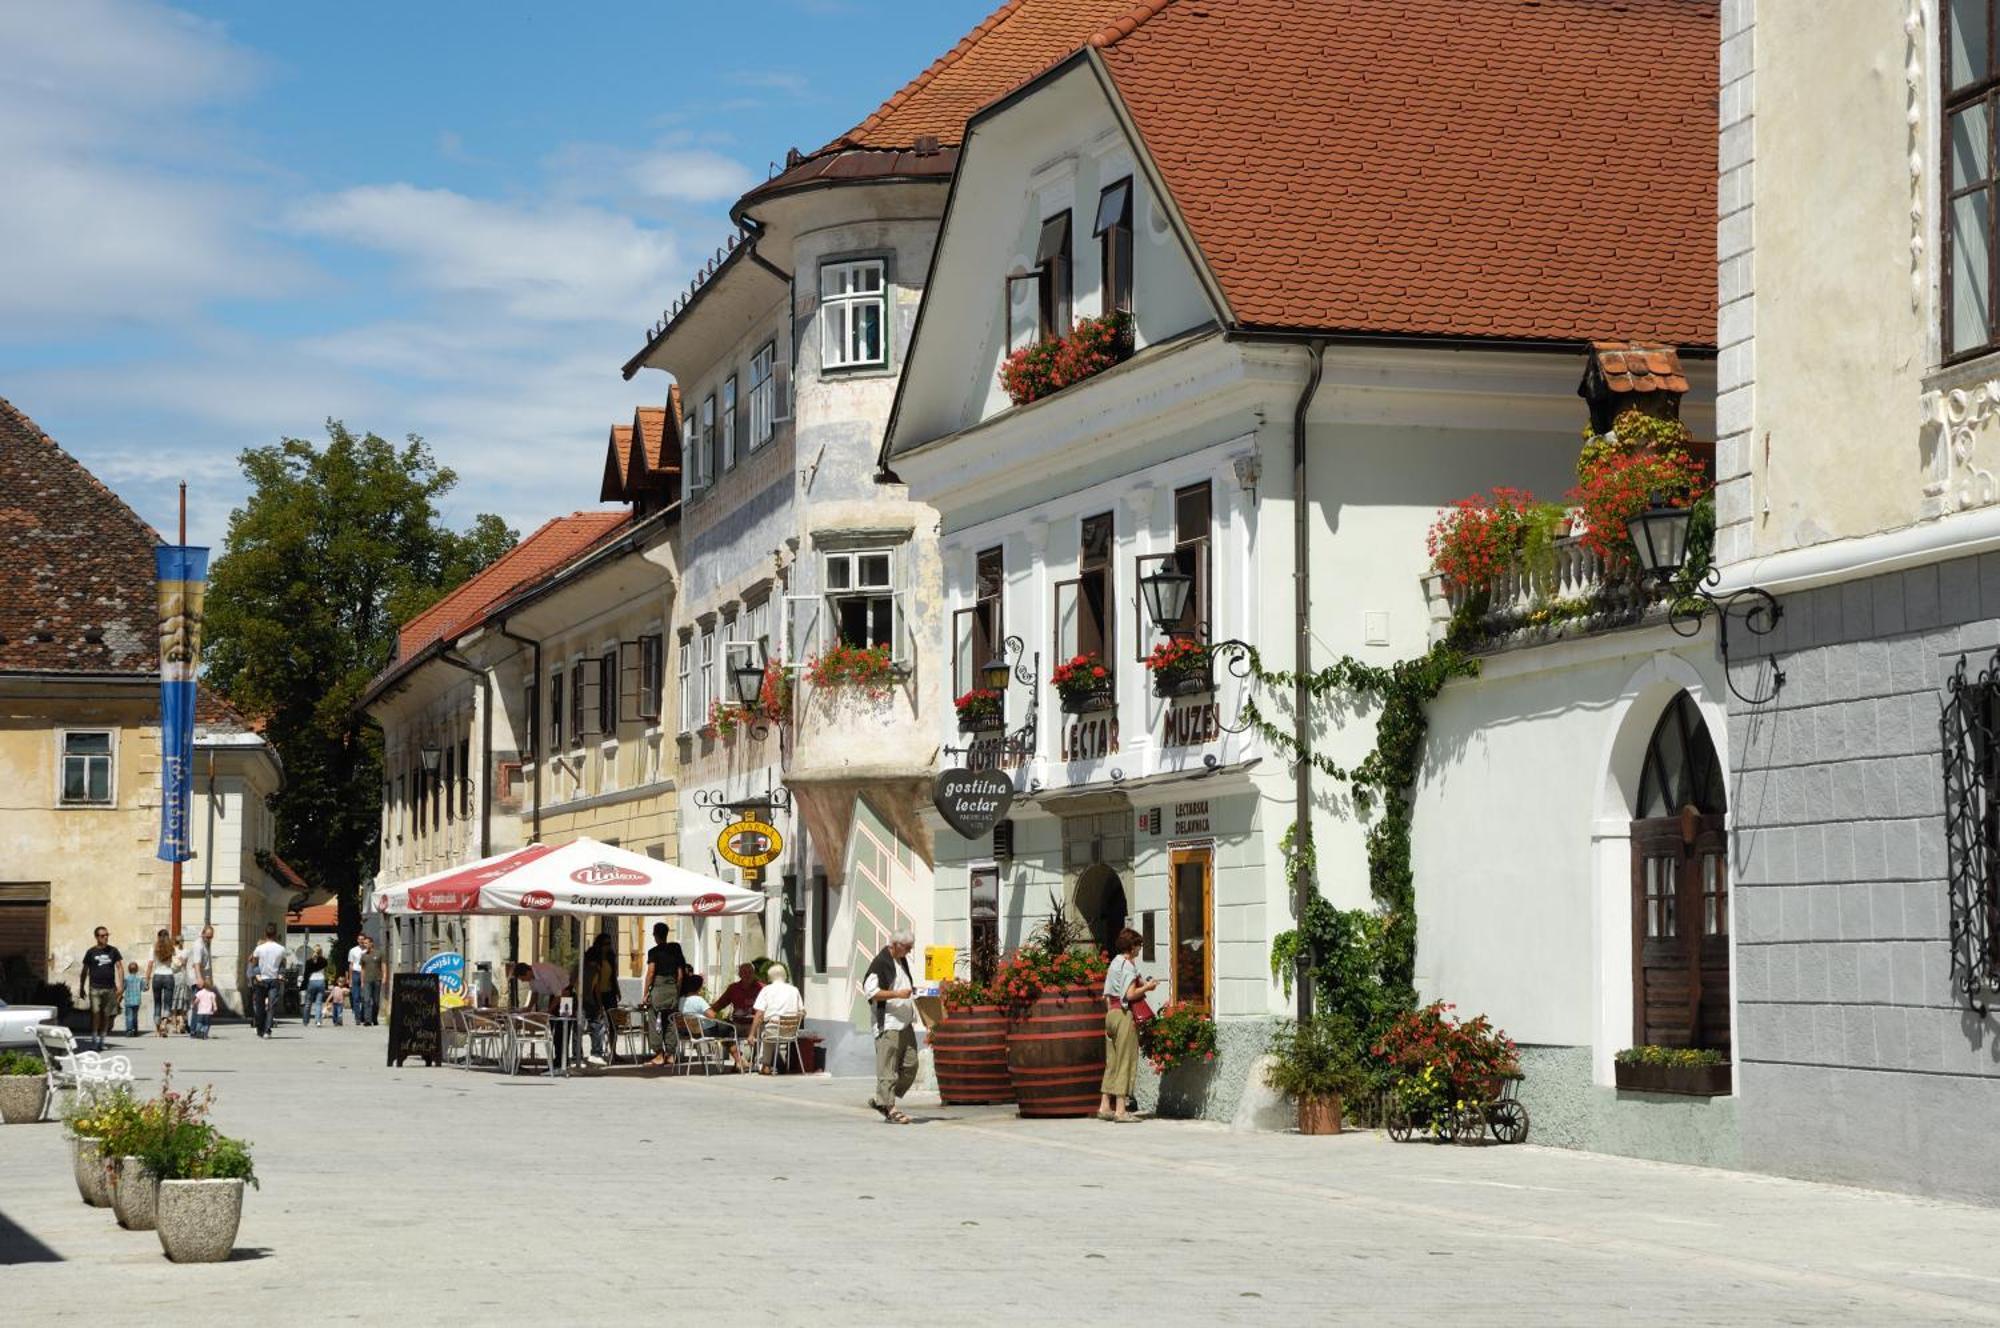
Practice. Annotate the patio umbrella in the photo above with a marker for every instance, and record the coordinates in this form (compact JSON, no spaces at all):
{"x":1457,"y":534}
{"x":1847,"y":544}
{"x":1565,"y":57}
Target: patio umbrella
{"x":583,"y":877}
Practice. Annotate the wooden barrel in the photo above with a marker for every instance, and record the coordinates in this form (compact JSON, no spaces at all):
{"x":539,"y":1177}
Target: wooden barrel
{"x":969,"y":1050}
{"x":1055,"y":1052}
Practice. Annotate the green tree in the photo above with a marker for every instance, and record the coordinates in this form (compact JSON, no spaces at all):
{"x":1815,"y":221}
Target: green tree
{"x":335,"y":546}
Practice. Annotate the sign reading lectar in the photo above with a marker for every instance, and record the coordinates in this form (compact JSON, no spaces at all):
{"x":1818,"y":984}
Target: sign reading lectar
{"x":1090,"y":737}
{"x":749,"y":843}
{"x":972,"y":801}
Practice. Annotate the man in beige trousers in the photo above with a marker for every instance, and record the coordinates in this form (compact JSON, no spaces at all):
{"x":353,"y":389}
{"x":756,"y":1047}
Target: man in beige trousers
{"x":891,"y":993}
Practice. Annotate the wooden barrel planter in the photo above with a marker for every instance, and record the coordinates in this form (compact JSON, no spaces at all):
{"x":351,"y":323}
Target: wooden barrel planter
{"x":969,"y":1050}
{"x":1055,"y":1052}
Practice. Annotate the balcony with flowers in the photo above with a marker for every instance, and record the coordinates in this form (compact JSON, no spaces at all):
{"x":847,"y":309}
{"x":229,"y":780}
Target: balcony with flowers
{"x":1047,"y":366}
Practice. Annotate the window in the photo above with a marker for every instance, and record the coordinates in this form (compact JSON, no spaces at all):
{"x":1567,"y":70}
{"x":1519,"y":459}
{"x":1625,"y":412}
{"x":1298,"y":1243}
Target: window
{"x":464,"y":786}
{"x":531,"y":702}
{"x":607,"y":693}
{"x":691,"y":454}
{"x":86,"y":769}
{"x":851,"y":303}
{"x":985,"y":911}
{"x":706,"y":695}
{"x":1052,"y":266}
{"x":578,"y":685}
{"x":1083,"y":619}
{"x":757,"y":628}
{"x":708,"y":458}
{"x":684,"y":680}
{"x":979,"y":633}
{"x":1114,"y":237}
{"x":727,"y":424}
{"x":652,"y":674}
{"x":860,"y":597}
{"x":1192,"y":555}
{"x":1971,"y":89}
{"x":1971,"y":742}
{"x":763,"y":395}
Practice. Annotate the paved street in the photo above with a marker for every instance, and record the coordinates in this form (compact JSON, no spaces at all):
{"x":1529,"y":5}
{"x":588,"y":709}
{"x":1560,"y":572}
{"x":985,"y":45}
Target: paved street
{"x":473,"y":1198}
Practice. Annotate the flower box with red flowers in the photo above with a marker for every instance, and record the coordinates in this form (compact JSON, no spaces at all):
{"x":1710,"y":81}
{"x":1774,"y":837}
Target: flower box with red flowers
{"x":1181,"y":1034}
{"x":1048,"y":366}
{"x":862,"y":668}
{"x":1084,"y":684}
{"x":981,"y":710}
{"x":1180,"y":667}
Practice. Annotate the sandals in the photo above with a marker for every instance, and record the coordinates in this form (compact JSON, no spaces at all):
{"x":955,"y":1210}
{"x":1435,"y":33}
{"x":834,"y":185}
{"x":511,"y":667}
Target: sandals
{"x":895,"y":1117}
{"x":1105,"y":1115}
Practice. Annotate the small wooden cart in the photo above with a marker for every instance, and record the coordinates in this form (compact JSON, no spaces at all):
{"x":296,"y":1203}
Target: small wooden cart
{"x":1489,"y":1108}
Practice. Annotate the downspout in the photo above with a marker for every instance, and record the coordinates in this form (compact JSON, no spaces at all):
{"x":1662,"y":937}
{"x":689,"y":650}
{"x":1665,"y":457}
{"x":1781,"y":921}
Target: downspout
{"x":1302,"y":876}
{"x":535,"y":821}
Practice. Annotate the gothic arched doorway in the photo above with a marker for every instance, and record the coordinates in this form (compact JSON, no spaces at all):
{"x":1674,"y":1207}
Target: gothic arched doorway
{"x":1100,"y":899}
{"x":1680,"y":888}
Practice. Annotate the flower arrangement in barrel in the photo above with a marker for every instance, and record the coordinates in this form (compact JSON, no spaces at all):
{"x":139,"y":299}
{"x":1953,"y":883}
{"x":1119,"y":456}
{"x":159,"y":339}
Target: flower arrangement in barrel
{"x":1058,"y":955}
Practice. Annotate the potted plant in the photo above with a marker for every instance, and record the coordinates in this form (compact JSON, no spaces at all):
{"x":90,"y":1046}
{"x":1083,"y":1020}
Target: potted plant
{"x":1180,"y":667}
{"x":1048,"y":366}
{"x":1445,"y":1067}
{"x":1083,"y":683}
{"x":866,"y":669}
{"x":24,"y":1085}
{"x":202,"y":1174}
{"x":91,"y":1116}
{"x":981,"y":710}
{"x":142,"y":1135}
{"x":1053,"y":989}
{"x":969,"y":1046}
{"x":1691,"y":1071}
{"x":1317,"y":1063}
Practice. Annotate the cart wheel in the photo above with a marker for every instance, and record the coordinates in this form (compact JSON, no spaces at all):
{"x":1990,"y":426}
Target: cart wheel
{"x":1397,"y":1119}
{"x":1468,"y":1125}
{"x":1509,"y":1121}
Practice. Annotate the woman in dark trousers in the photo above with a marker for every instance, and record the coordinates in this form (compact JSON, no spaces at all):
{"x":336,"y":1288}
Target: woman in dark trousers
{"x":160,"y":969}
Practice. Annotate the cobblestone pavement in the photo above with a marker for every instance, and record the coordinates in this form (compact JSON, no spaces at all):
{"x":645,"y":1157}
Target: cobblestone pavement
{"x":441,"y":1195}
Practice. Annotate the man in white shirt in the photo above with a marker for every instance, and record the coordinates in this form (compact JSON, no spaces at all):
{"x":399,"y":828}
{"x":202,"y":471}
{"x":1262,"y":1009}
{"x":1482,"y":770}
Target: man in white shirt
{"x":891,"y":991}
{"x":546,"y":983}
{"x":357,"y":986}
{"x":776,"y":1001}
{"x":268,"y":963}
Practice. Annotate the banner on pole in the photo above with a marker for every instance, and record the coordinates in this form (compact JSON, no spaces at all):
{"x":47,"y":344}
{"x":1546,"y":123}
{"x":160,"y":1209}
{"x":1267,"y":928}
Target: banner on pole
{"x":182,"y":572}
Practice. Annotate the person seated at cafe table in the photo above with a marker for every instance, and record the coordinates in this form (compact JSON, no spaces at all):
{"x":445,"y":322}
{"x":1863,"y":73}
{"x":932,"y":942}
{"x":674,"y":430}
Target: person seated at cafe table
{"x":776,"y":1001}
{"x":693,"y":1003}
{"x":740,"y":995}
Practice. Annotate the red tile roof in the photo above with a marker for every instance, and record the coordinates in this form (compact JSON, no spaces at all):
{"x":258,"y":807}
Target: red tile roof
{"x":617,"y":486}
{"x":76,"y":564}
{"x":319,"y":917}
{"x":1509,"y":169}
{"x":1635,"y":366}
{"x":649,"y":430}
{"x":554,"y":545}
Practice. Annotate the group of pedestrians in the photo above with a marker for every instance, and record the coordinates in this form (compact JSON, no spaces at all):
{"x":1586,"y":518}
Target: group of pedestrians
{"x":178,"y":974}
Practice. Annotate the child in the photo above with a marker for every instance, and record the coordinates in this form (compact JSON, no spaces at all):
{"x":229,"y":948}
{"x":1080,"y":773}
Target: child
{"x":337,"y":998}
{"x":134,"y":985}
{"x":203,"y":1009}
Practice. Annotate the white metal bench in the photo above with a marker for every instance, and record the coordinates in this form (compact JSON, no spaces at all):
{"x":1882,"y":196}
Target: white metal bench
{"x":76,"y":1072}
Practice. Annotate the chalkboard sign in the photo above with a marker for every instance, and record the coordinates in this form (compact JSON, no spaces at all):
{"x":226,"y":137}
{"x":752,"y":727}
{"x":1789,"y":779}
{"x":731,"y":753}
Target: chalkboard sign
{"x":415,"y":1028}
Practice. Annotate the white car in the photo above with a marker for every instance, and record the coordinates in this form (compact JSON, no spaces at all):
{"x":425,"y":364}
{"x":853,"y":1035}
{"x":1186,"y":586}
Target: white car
{"x":17,"y":1023}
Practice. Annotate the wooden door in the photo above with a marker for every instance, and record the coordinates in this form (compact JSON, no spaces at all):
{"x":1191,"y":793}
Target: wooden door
{"x":1680,"y":932}
{"x":1192,"y":879}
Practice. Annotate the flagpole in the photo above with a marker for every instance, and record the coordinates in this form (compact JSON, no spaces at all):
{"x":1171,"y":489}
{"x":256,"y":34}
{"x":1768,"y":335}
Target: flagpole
{"x":174,"y":909}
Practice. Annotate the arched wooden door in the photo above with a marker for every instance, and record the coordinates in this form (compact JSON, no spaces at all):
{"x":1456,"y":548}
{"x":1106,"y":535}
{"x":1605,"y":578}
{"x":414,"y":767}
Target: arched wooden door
{"x":1680,"y":889}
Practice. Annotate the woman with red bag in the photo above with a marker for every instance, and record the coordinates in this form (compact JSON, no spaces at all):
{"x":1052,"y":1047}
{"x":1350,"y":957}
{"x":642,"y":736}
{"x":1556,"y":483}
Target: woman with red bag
{"x":1125,"y":1006}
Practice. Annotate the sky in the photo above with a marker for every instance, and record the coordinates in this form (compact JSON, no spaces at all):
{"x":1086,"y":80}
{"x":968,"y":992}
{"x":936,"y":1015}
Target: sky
{"x":230,"y":222}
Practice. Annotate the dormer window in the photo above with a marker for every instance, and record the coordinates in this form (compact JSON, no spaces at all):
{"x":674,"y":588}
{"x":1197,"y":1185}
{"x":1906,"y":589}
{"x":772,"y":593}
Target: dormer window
{"x":1114,"y":238}
{"x":851,"y":302}
{"x":1052,"y":267}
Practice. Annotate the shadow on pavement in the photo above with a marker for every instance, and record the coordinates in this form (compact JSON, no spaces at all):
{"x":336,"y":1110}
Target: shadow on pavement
{"x":17,"y":1246}
{"x":249,"y":1253}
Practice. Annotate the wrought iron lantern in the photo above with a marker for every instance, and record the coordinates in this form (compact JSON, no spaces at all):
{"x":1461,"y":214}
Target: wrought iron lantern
{"x":1166,"y":590}
{"x":994,"y":672}
{"x":746,"y":681}
{"x":1659,"y":536}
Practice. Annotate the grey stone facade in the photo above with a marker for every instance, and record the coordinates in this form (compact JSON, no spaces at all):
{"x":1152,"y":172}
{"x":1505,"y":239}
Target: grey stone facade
{"x":1855,"y":1061}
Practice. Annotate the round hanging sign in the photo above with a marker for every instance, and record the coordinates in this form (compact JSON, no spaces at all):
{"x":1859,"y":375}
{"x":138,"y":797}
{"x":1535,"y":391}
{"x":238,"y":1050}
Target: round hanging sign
{"x":749,"y":843}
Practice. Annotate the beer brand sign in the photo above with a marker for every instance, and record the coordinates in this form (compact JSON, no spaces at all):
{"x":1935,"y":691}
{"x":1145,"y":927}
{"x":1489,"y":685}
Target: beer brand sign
{"x":749,"y":843}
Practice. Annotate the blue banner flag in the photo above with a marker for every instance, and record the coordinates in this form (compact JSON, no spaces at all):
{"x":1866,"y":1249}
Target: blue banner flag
{"x":182,"y":572}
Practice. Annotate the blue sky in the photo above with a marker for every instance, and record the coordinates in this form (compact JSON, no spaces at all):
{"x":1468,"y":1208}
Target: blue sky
{"x":231,"y":221}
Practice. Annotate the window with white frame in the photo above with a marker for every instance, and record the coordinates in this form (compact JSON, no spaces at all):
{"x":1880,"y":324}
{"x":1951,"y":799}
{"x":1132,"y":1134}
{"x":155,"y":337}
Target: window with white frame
{"x":860,"y":596}
{"x":691,"y":475}
{"x":725,"y":424}
{"x":763,"y":395}
{"x":86,"y":768}
{"x":708,"y":458}
{"x":757,"y":628}
{"x":706,"y":695}
{"x":684,"y":680}
{"x":852,"y":299}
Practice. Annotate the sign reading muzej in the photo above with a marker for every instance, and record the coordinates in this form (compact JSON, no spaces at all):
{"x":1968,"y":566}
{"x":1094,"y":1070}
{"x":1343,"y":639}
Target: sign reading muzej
{"x":182,"y":573}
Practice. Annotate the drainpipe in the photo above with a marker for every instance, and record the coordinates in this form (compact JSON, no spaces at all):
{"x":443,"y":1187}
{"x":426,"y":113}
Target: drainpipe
{"x":1302,"y":879}
{"x":535,"y":821}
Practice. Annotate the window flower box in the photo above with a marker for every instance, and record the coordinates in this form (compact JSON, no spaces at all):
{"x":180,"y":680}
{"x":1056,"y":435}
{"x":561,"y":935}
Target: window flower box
{"x":1084,"y":684}
{"x":981,"y":710}
{"x":1046,"y":367}
{"x":1681,"y":1070}
{"x":1181,"y":668}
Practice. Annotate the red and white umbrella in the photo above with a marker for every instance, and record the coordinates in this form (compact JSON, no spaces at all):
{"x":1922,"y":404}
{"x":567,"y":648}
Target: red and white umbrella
{"x":580,"y":877}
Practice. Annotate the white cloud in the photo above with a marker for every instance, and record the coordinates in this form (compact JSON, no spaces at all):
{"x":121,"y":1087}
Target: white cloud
{"x":689,"y":177}
{"x":556,"y":263}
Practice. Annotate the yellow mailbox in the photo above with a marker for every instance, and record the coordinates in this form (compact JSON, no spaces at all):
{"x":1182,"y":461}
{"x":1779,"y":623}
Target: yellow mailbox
{"x":940,"y":962}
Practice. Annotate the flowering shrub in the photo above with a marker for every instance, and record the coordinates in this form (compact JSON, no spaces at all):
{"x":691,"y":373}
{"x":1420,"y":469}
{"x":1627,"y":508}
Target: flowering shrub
{"x":1633,"y":431}
{"x":1035,"y":968}
{"x":773,"y":704}
{"x":980,"y":709}
{"x":1624,"y":485}
{"x":1092,"y":346}
{"x":1178,"y":657}
{"x":1477,"y":538}
{"x":867,"y":668}
{"x":1182,"y":1034}
{"x":1441,"y":1062}
{"x":1080,"y":676}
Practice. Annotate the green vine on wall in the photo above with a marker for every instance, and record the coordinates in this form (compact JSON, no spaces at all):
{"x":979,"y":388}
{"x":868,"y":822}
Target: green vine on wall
{"x":1363,"y":961}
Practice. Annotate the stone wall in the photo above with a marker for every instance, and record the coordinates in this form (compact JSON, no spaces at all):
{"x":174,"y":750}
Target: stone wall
{"x":1856,"y":1061}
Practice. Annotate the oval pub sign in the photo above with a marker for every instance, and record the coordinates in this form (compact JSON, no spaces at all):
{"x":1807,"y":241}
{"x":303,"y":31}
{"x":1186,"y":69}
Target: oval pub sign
{"x":749,"y":843}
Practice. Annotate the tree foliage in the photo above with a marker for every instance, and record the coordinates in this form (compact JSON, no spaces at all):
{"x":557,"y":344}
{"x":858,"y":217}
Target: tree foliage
{"x":334,"y":547}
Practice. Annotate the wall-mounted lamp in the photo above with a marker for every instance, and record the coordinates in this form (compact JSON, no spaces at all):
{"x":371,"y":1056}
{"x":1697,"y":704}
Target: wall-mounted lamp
{"x":1659,"y":537}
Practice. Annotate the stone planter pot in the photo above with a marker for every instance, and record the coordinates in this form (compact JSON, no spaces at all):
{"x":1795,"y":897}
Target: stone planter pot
{"x":92,"y":1181}
{"x":21,"y":1098}
{"x":197,"y":1219}
{"x":135,"y":1193}
{"x":1319,"y":1115}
